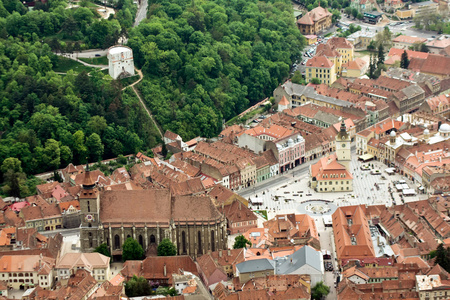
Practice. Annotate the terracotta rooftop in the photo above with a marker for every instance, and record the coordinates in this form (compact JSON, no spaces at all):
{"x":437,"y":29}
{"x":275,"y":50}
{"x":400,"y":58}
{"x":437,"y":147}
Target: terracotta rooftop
{"x":319,"y":62}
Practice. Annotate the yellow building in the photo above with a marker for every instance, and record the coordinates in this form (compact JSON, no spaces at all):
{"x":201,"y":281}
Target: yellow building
{"x":322,"y":68}
{"x":344,"y":47}
{"x":355,"y":68}
{"x":338,"y":50}
{"x":311,"y":39}
{"x":404,"y":14}
{"x":331,"y":173}
{"x":315,"y":21}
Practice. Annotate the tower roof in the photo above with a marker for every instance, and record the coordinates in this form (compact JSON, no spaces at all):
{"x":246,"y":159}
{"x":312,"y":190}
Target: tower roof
{"x":88,"y":182}
{"x":342,"y":134}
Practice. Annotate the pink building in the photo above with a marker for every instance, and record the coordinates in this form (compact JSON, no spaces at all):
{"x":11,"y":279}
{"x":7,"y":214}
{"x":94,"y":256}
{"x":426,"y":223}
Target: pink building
{"x":289,"y":150}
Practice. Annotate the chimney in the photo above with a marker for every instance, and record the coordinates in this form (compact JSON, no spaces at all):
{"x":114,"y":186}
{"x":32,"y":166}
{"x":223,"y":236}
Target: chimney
{"x":229,"y":252}
{"x":240,"y":205}
{"x":220,"y":253}
{"x":165,"y":271}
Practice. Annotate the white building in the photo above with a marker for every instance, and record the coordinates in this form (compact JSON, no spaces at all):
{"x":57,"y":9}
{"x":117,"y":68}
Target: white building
{"x":23,"y":271}
{"x":306,"y":260}
{"x":121,"y":62}
{"x":95,"y":263}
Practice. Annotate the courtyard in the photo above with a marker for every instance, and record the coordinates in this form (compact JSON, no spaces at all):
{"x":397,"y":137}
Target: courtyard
{"x":296,"y":196}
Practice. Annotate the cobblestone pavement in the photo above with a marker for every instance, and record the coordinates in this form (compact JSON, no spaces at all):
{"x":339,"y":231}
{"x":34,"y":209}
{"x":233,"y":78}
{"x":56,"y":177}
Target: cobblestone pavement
{"x":289,"y":197}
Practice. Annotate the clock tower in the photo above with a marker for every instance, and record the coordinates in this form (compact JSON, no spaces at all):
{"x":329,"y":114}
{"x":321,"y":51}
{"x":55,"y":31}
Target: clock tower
{"x":90,"y":208}
{"x":343,"y":152}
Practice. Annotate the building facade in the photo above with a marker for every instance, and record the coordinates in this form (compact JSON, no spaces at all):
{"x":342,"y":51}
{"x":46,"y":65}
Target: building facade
{"x":315,"y":21}
{"x":121,"y":62}
{"x":192,"y":223}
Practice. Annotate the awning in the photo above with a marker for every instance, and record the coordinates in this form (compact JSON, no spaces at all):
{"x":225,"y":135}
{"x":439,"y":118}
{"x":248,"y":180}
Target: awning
{"x":366,"y":157}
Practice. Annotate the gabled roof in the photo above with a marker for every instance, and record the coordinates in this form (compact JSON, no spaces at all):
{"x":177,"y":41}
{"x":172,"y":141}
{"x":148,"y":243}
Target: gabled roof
{"x":304,"y":256}
{"x":319,"y":62}
{"x":255,"y":265}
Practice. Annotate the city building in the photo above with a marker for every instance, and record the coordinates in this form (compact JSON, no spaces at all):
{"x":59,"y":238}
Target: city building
{"x":404,"y":41}
{"x":372,"y":17}
{"x":362,"y":38}
{"x":149,"y":216}
{"x":311,"y":39}
{"x":314,"y":21}
{"x":306,"y":260}
{"x":95,"y":263}
{"x":422,"y":9}
{"x":439,"y":46}
{"x":255,"y":268}
{"x":362,"y":5}
{"x":355,"y":68}
{"x":322,"y":68}
{"x":352,"y":234}
{"x":432,"y":287}
{"x":436,"y":65}
{"x":300,"y":94}
{"x":121,"y":62}
{"x":24,"y":271}
{"x":332,"y":173}
{"x":439,"y":105}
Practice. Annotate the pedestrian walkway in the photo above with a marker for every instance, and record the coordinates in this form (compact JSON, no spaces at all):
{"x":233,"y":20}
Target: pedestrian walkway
{"x":290,"y":196}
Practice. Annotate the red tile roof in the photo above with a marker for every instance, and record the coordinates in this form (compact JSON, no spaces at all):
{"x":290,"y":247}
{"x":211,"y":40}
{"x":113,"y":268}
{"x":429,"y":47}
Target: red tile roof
{"x":319,"y":62}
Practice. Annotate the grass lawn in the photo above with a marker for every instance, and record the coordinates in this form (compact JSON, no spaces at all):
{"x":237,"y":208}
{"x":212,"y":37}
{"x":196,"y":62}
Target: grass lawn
{"x":328,"y":34}
{"x":65,"y":64}
{"x":263,"y":213}
{"x":364,"y":53}
{"x":103,"y":60}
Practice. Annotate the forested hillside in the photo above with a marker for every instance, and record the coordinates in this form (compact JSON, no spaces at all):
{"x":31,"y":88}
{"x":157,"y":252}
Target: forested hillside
{"x":48,"y":120}
{"x":206,"y":61}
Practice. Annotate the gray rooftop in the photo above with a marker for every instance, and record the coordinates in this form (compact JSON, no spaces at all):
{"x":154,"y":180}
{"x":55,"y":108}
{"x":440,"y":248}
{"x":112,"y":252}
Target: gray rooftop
{"x":301,"y":257}
{"x":297,"y":89}
{"x":408,"y":75}
{"x":255,"y":265}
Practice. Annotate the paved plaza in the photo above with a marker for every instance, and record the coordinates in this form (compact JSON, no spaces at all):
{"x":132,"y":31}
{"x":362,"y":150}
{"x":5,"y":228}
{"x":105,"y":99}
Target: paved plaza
{"x":295,"y":196}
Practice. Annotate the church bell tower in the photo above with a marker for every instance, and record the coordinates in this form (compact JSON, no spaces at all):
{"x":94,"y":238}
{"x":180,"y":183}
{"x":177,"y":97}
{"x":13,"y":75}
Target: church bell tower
{"x":343,"y":151}
{"x":90,"y":208}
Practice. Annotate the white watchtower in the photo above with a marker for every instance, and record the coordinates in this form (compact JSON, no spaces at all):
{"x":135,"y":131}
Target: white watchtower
{"x":121,"y":62}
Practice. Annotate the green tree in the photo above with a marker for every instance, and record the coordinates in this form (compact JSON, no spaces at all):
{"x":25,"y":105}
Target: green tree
{"x":14,"y":178}
{"x":424,"y":48}
{"x":372,"y":67}
{"x":137,"y":286}
{"x":443,"y":257}
{"x":94,"y":147}
{"x":97,"y":124}
{"x":354,"y":12}
{"x":240,"y":242}
{"x":404,"y":61}
{"x":380,"y":59}
{"x":319,"y":291}
{"x":315,"y":81}
{"x":297,"y":78}
{"x":79,"y":147}
{"x":103,"y":249}
{"x":371,"y":46}
{"x":348,"y":11}
{"x":131,"y":250}
{"x":166,"y":248}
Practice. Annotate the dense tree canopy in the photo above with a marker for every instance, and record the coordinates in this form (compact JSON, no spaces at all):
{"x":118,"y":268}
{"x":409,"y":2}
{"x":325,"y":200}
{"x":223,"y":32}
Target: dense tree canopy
{"x":166,"y":248}
{"x":49,"y":120}
{"x":131,"y":250}
{"x":241,"y":242}
{"x":103,"y":249}
{"x":205,"y":62}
